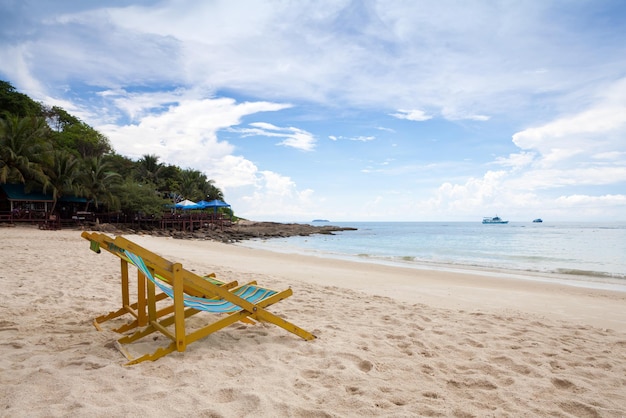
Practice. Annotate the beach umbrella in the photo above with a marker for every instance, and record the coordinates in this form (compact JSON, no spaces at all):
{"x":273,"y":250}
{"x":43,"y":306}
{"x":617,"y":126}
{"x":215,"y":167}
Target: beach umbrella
{"x":187,"y":204}
{"x":213,"y":204}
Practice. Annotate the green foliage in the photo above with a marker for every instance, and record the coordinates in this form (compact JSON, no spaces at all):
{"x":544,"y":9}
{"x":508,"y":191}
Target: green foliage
{"x":24,"y":150}
{"x":212,"y":192}
{"x":71,"y":134}
{"x":62,"y":176}
{"x":168,"y":179}
{"x":15,"y":103}
{"x":194,"y":185}
{"x":99,"y":182}
{"x":49,"y":150}
{"x":119,"y":164}
{"x":138,"y":198}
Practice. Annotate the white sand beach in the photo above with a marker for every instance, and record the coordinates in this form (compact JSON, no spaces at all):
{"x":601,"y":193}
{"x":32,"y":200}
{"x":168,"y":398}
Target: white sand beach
{"x":392,"y":342}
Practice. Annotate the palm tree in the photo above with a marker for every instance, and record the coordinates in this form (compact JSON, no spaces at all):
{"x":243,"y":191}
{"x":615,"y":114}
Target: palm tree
{"x":98,"y":182}
{"x":62,"y":176}
{"x":23,"y":148}
{"x":194,"y":185}
{"x":189,"y":183}
{"x":211,"y":191}
{"x":149,"y":169}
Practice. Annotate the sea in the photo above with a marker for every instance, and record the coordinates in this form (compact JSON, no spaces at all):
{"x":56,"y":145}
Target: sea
{"x":577,"y":253}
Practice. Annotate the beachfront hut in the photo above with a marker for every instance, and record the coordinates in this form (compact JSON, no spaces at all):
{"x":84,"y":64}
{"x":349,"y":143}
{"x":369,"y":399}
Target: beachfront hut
{"x":14,"y":197}
{"x":18,"y":204}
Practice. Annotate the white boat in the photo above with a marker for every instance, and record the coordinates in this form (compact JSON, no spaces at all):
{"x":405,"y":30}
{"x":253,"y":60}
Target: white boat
{"x":495,"y":220}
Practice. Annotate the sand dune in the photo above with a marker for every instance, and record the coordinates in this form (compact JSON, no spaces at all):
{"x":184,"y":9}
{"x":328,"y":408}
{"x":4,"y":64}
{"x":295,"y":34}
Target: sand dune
{"x":391,"y":342}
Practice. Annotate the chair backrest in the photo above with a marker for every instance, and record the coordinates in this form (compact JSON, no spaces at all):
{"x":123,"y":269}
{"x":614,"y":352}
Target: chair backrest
{"x":250,"y":293}
{"x":161,"y":267}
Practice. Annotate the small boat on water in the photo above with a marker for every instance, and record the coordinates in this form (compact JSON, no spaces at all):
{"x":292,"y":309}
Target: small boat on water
{"x":495,"y":220}
{"x":538,"y":220}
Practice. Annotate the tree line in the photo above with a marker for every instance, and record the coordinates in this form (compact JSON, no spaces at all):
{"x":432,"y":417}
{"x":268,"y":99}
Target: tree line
{"x":50,"y":151}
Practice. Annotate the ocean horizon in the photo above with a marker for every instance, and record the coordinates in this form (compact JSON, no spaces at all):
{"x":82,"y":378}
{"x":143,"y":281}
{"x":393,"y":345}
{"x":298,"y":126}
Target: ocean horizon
{"x":590,"y":254}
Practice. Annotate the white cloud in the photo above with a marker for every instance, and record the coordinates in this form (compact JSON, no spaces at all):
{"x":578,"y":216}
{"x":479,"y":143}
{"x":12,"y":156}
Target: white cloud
{"x":370,"y":53}
{"x":582,"y":149}
{"x":414,"y":115}
{"x":236,"y":172}
{"x":14,"y":62}
{"x":610,"y":155}
{"x":355,"y":138}
{"x":517,"y":161}
{"x":429,"y":61}
{"x":592,"y":207}
{"x":582,"y":132}
{"x":453,"y":114}
{"x":475,"y":194}
{"x":293,"y":137}
{"x":598,"y":129}
{"x":233,"y":171}
{"x":275,"y":197}
{"x":184,"y":131}
{"x":576,"y":201}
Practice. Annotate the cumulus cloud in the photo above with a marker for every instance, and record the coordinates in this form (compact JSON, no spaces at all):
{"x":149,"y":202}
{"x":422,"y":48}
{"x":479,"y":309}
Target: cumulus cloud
{"x":414,"y":115}
{"x":455,"y":114}
{"x":584,"y":149}
{"x":355,"y":138}
{"x":167,"y":77}
{"x":274,"y":196}
{"x":292,"y":137}
{"x":598,"y":129}
{"x":184,"y":131}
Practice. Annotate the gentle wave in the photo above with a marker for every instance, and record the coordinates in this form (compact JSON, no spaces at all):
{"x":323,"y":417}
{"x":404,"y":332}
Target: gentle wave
{"x":601,"y":274}
{"x":576,"y":250}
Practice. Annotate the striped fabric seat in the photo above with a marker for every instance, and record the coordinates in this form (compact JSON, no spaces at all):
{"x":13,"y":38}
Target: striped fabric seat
{"x":250,"y":293}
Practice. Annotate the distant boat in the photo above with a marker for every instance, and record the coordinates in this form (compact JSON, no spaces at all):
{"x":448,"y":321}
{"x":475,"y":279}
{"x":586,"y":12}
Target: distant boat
{"x":495,"y":220}
{"x":538,"y":220}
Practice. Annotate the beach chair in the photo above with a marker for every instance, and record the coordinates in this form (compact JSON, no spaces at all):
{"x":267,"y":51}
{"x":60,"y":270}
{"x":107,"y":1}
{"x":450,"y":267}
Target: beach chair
{"x":138,"y":309}
{"x":192,"y":294}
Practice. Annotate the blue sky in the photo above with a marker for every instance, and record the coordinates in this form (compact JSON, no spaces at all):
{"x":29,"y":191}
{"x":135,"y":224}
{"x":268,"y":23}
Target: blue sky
{"x":349,"y":110}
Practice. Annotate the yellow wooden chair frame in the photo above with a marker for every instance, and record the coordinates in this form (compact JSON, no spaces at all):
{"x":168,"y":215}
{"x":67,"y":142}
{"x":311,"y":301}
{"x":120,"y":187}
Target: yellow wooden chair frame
{"x":184,"y":285}
{"x":138,"y":309}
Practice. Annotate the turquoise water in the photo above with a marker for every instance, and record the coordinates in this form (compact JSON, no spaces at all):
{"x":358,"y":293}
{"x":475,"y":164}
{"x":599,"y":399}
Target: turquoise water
{"x":595,"y":251}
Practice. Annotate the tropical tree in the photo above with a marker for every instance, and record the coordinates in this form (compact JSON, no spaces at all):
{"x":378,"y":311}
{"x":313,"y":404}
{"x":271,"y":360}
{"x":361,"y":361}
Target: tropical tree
{"x":75,"y":136}
{"x":119,"y":164}
{"x":149,"y":169}
{"x":24,"y":149}
{"x":189,"y":183}
{"x":211,"y":191}
{"x":168,"y":180}
{"x":15,"y":103}
{"x":194,"y":185}
{"x":140,"y":198}
{"x":62,"y":176}
{"x":98,"y":182}
{"x":48,"y":149}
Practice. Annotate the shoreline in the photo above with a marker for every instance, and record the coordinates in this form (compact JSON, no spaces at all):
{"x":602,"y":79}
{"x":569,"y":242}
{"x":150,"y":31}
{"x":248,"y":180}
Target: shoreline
{"x":600,"y":282}
{"x":467,"y":290}
{"x":392,"y":341}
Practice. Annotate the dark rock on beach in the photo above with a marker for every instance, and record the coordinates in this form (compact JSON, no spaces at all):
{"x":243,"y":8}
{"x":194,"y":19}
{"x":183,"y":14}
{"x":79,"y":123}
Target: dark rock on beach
{"x":240,"y":231}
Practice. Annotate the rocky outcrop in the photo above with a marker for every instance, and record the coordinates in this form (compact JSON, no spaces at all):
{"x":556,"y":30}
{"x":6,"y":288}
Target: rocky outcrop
{"x":239,"y":231}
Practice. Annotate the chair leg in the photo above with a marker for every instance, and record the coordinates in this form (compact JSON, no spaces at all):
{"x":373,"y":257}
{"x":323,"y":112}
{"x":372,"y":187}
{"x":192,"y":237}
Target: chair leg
{"x":160,"y":352}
